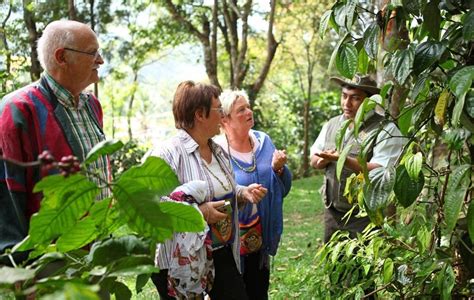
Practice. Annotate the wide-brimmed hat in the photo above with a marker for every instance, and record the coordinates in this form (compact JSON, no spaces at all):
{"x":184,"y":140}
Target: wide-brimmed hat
{"x":364,"y":83}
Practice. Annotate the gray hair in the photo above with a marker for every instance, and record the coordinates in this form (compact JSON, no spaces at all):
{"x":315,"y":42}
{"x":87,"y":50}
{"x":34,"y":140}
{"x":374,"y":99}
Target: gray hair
{"x":57,"y":34}
{"x":228,"y":98}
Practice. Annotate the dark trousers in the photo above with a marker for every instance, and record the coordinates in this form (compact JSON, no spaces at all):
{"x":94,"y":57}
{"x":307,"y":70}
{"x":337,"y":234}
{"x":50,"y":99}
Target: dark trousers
{"x":256,"y":278}
{"x":333,"y":222}
{"x":228,"y":283}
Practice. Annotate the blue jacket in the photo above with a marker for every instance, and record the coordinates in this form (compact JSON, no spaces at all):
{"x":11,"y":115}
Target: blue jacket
{"x":270,"y":208}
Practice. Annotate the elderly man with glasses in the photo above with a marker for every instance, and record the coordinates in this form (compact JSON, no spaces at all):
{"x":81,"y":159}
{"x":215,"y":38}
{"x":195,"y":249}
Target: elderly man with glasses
{"x":53,"y":114}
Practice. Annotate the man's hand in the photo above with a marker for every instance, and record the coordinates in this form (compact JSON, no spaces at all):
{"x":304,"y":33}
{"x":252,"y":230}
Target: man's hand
{"x":254,"y":192}
{"x":210,"y":212}
{"x":329,"y":155}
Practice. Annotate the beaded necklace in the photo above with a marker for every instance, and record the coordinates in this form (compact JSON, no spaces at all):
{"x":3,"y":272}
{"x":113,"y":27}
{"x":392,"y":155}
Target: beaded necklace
{"x":226,"y":188}
{"x":254,"y":160}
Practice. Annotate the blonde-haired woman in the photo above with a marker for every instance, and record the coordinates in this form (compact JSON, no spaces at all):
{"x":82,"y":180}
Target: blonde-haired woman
{"x":254,"y":158}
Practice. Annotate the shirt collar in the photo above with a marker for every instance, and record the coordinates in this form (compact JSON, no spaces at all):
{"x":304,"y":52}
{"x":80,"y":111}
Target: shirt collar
{"x":63,"y":95}
{"x":190,"y":144}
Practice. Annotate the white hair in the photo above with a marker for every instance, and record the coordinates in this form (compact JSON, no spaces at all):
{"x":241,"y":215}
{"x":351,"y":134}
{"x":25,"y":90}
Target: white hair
{"x":228,"y":98}
{"x":57,"y":34}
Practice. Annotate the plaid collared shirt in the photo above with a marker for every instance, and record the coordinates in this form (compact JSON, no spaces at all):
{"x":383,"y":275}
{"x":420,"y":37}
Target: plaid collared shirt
{"x":85,"y":131}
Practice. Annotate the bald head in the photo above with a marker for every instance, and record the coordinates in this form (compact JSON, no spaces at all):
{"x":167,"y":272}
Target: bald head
{"x":59,"y":34}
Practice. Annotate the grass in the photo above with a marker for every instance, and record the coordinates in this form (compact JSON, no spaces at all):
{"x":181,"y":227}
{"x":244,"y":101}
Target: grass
{"x":302,"y":235}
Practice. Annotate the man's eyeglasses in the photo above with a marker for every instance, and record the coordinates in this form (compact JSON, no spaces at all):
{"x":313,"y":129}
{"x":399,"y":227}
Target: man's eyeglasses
{"x":219,"y":110}
{"x":95,"y":54}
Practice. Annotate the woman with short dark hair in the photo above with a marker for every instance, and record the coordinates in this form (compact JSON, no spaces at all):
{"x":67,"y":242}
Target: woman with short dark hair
{"x":194,"y":156}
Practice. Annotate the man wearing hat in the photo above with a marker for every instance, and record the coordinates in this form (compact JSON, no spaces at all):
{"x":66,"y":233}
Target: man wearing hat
{"x":384,"y":152}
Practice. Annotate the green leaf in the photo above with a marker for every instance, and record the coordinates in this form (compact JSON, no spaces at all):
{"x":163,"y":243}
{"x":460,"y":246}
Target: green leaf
{"x":120,"y":290}
{"x":378,"y":190}
{"x":185,"y":217}
{"x":336,"y":51}
{"x":71,"y":202}
{"x":342,"y":160}
{"x":412,"y":6}
{"x":350,"y":13}
{"x":462,"y":81}
{"x":470,"y":105}
{"x":103,"y":148}
{"x":339,"y":14}
{"x":441,"y":106}
{"x":340,"y":133}
{"x":423,"y":238}
{"x":447,"y":281}
{"x":323,"y":24}
{"x":387,"y":270}
{"x":407,"y":190}
{"x":105,"y":216}
{"x":468,"y":26}
{"x":371,"y":40}
{"x":363,"y":62}
{"x":420,"y":88}
{"x":366,"y":106}
{"x":402,"y":64}
{"x":426,"y":54}
{"x":154,"y":174}
{"x":12,"y":275}
{"x":457,"y":188}
{"x":386,"y":88}
{"x":141,"y":281}
{"x":78,"y":236}
{"x":432,"y":19}
{"x":470,"y":220}
{"x":136,"y":270}
{"x":108,"y":251}
{"x":413,"y":166}
{"x":404,"y":120}
{"x":346,"y":60}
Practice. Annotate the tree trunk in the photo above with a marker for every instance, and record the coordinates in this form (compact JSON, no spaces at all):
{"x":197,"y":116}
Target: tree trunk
{"x":30,"y":22}
{"x":130,"y":104}
{"x":3,"y":37}
{"x":72,"y":10}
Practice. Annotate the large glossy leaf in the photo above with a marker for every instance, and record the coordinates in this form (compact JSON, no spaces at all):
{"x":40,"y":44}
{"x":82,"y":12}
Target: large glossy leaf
{"x":106,"y":216}
{"x":468,"y":26}
{"x":371,"y":40}
{"x":72,"y":203}
{"x":413,"y":165}
{"x":432,"y":19}
{"x":103,"y":148}
{"x":335,"y":52}
{"x":363,"y":62}
{"x":387,"y":270}
{"x":407,"y":190}
{"x":404,"y":120}
{"x":441,"y":106}
{"x":423,"y":239}
{"x":78,"y":236}
{"x":364,"y":108}
{"x":470,"y":220}
{"x":154,"y":173}
{"x":127,"y":264}
{"x":346,"y":60}
{"x":323,"y":24}
{"x":426,"y":54}
{"x":185,"y":218}
{"x":469,"y":105}
{"x":402,"y":64}
{"x":340,"y":133}
{"x":457,"y":188}
{"x":446,"y":281}
{"x":420,"y":88}
{"x":462,"y":81}
{"x":342,"y":160}
{"x":12,"y":275}
{"x":381,"y":185}
{"x":108,"y":251}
